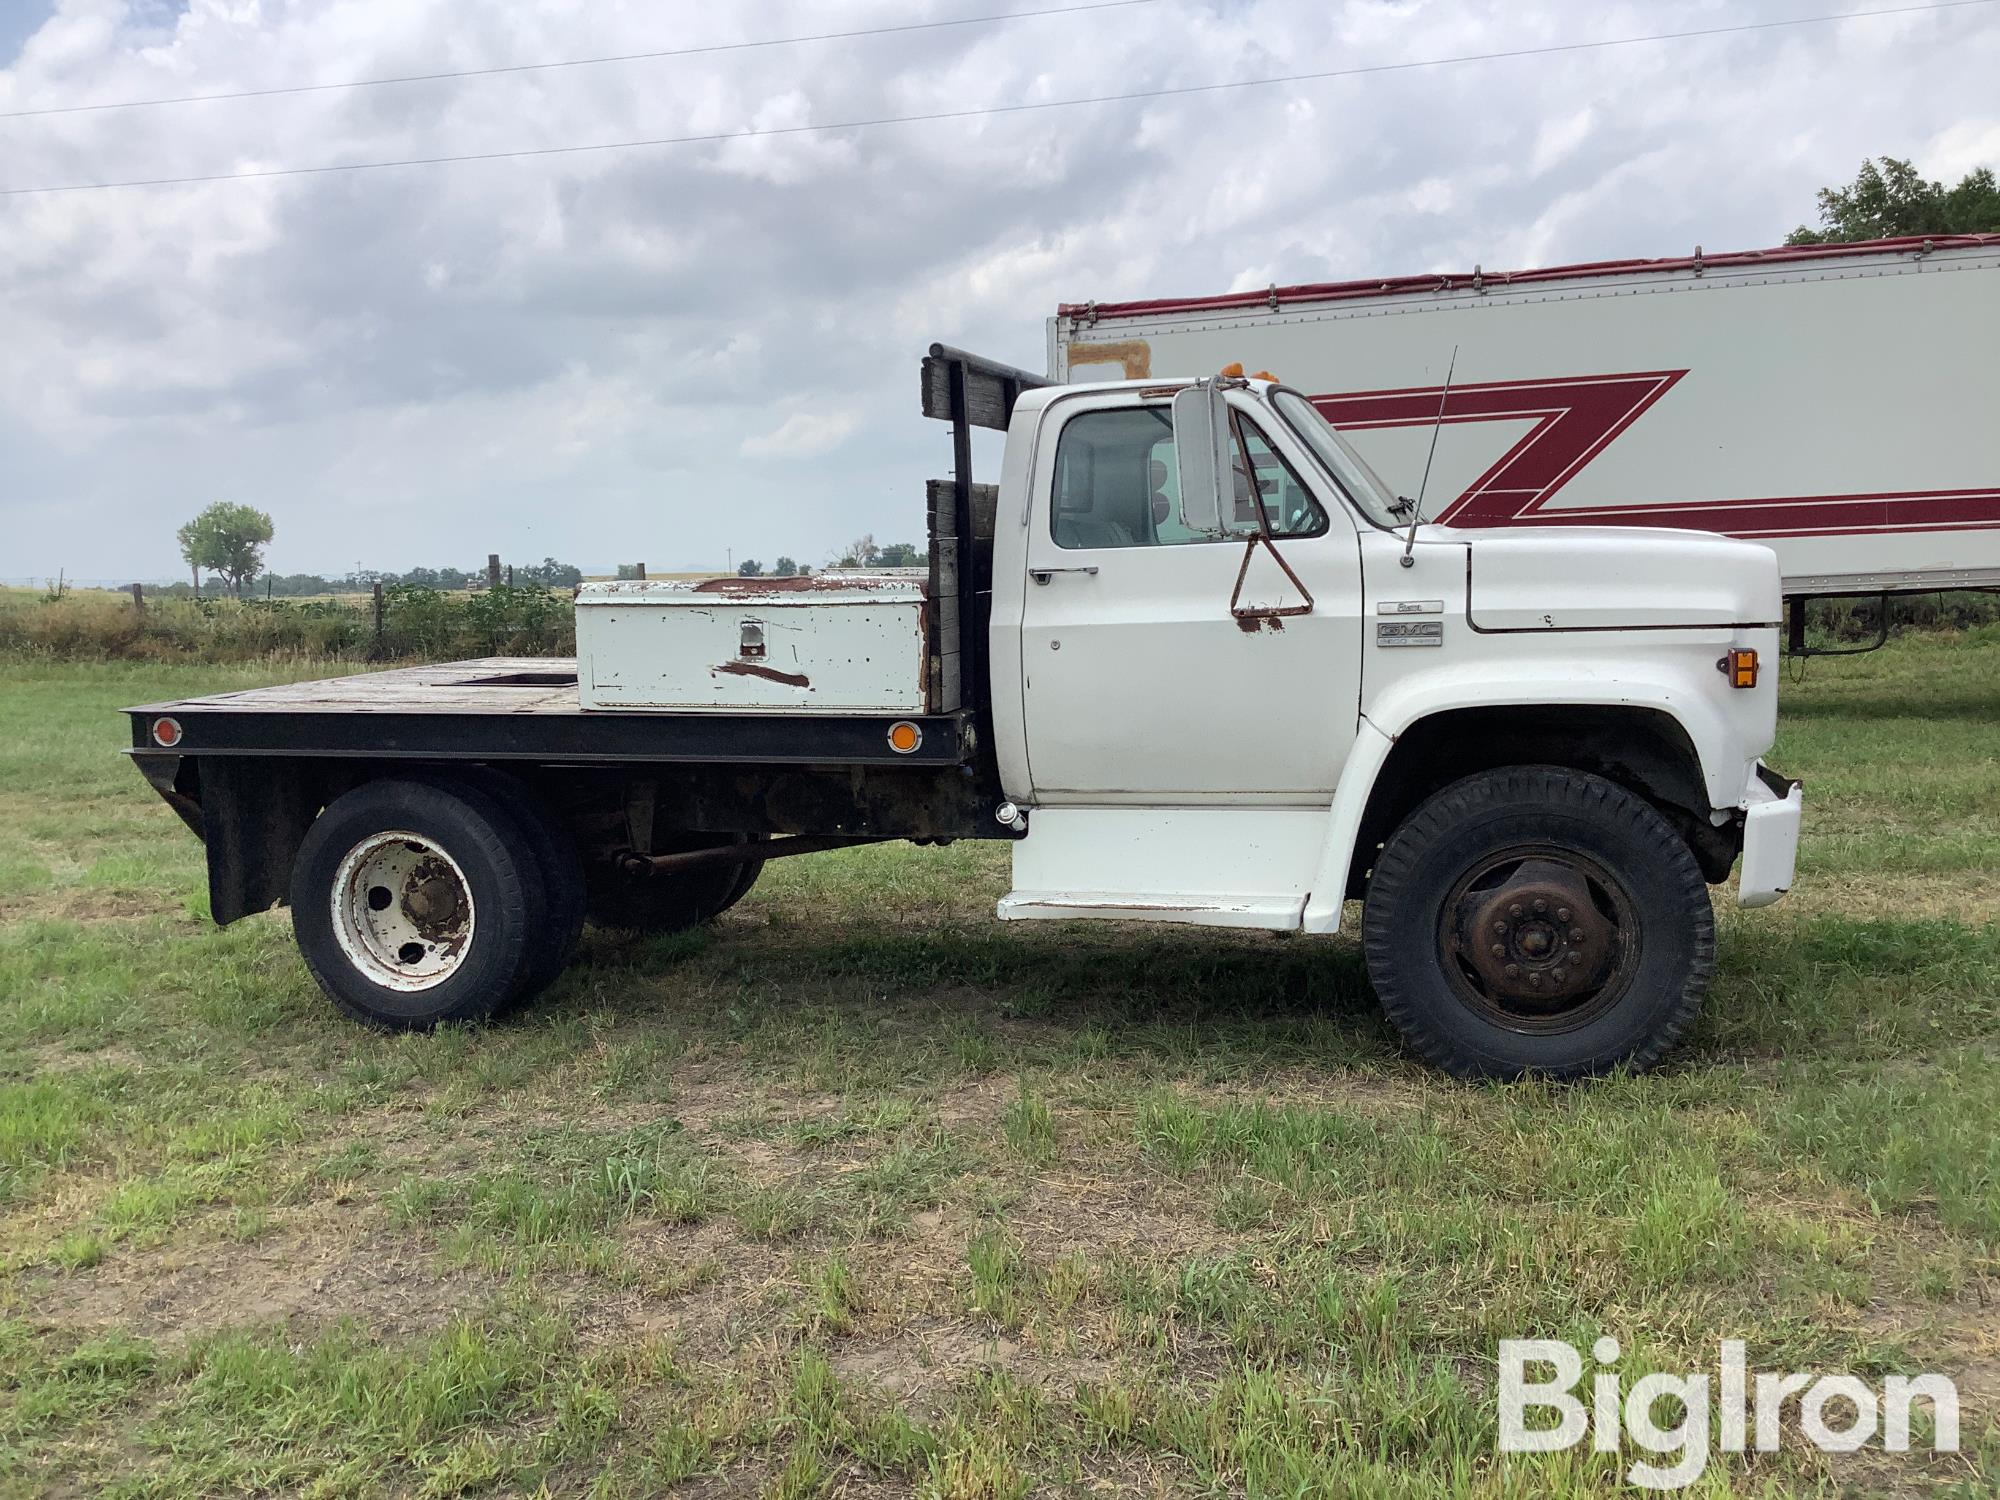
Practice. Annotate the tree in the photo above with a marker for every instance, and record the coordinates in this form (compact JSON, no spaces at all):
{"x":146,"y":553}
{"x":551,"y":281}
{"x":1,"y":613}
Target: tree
{"x":749,"y":568}
{"x":784,"y":567}
{"x":552,"y":574}
{"x":898,"y":555}
{"x":1890,"y":197}
{"x":859,"y":553}
{"x":227,"y":539}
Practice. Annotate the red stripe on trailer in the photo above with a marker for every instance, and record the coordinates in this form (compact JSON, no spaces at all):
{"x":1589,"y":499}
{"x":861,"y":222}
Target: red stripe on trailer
{"x":1576,"y":417}
{"x":1338,"y":291}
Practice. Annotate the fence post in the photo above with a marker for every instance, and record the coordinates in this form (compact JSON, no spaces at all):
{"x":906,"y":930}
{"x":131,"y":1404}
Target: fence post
{"x":138,"y":598}
{"x":510,"y":575}
{"x":378,"y":617}
{"x":493,"y":570}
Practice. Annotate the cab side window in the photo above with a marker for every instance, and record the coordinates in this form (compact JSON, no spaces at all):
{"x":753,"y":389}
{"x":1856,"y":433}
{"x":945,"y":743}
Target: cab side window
{"x":1116,"y":485}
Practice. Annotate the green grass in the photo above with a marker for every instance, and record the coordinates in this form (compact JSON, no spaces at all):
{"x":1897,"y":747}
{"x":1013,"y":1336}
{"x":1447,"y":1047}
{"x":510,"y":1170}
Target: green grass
{"x":863,"y":1192}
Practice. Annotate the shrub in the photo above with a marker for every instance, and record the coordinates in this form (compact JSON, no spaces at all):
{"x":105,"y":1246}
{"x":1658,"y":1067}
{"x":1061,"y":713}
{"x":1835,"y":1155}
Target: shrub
{"x":417,"y":624}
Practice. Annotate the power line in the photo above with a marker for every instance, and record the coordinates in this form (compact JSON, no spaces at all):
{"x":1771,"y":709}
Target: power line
{"x":1180,"y":91}
{"x":576,"y":62}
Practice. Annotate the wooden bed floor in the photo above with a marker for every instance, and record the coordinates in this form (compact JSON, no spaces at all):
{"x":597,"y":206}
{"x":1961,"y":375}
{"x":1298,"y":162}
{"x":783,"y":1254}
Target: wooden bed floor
{"x":539,"y":685}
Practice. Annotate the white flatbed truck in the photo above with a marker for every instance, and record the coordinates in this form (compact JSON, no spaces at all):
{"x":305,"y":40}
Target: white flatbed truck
{"x":1189,"y":656}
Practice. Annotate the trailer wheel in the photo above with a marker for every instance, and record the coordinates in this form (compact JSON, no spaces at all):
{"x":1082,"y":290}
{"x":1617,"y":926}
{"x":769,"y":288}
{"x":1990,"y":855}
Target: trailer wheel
{"x":1535,"y":920}
{"x":672,"y":903}
{"x":415,"y":903}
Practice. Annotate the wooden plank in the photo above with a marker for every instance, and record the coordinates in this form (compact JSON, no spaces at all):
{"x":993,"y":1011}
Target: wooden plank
{"x":991,"y":388}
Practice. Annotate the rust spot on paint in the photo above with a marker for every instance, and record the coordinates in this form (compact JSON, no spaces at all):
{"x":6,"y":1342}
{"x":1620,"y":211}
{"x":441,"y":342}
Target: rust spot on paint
{"x":758,"y":669}
{"x":757,"y":588}
{"x":1134,"y":356}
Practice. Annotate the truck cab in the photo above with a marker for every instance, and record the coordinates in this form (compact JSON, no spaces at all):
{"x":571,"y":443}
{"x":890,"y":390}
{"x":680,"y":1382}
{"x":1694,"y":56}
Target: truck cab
{"x":1190,"y":657}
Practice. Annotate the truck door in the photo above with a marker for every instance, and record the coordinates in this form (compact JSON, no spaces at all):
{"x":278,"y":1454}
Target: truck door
{"x":1139,"y":684}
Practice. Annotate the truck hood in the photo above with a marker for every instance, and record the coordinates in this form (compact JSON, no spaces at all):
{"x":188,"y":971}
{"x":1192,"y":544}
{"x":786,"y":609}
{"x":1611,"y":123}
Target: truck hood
{"x":1615,"y":578}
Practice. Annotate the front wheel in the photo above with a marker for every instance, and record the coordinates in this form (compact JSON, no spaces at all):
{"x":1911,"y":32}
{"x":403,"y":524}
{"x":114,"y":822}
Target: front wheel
{"x":1535,"y":920}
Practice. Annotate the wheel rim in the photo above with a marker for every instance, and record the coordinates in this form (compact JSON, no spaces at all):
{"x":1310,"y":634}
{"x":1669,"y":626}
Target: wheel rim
{"x":1539,"y":939}
{"x":403,"y":911}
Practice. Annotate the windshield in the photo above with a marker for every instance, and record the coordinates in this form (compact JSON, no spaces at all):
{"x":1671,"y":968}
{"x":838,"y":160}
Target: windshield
{"x":1349,"y":469}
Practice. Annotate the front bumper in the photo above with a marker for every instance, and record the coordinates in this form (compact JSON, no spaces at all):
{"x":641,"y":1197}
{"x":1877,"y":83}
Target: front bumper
{"x":1771,"y":808}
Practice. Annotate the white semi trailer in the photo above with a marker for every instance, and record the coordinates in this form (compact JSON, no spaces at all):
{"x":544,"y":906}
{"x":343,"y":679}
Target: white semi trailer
{"x":1838,"y":403}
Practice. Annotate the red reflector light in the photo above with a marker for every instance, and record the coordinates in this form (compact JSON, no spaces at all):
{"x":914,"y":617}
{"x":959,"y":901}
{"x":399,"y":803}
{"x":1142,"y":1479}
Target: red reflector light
{"x":1740,"y":667}
{"x":166,"y":733}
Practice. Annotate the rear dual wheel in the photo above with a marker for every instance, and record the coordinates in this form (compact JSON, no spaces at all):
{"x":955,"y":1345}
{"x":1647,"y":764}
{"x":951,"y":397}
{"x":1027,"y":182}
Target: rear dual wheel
{"x":675,"y":901}
{"x":426,"y":899}
{"x":1536,"y":920}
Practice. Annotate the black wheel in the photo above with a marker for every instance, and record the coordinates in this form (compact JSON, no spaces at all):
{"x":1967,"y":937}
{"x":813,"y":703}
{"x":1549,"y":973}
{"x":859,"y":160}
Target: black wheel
{"x":1538,"y":920}
{"x":415,"y":902}
{"x":555,"y":853}
{"x":671,"y":902}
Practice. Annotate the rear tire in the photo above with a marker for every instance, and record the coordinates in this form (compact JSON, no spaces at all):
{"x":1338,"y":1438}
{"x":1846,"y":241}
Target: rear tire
{"x":672,"y":902}
{"x":562,"y":875}
{"x":416,"y":903}
{"x":1535,"y":920}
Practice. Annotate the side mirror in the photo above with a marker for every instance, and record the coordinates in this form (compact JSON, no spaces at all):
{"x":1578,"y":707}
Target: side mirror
{"x":1201,"y":451}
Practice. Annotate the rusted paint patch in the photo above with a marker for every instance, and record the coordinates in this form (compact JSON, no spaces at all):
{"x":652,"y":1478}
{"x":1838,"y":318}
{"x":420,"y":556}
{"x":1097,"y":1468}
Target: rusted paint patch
{"x":1135,"y":356}
{"x":1251,"y":624}
{"x":757,"y":588}
{"x":758,"y":669}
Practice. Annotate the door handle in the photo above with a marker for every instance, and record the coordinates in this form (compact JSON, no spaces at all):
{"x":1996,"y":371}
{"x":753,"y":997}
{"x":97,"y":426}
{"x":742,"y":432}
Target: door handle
{"x":1043,"y":575}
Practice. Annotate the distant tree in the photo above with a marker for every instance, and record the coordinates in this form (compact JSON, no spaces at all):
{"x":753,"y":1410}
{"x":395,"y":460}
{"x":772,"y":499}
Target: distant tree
{"x":749,"y":568}
{"x":628,"y":572}
{"x":226,"y":539}
{"x":898,"y":555}
{"x":784,"y":567}
{"x":551,"y":574}
{"x":1890,"y":197}
{"x":859,"y":553}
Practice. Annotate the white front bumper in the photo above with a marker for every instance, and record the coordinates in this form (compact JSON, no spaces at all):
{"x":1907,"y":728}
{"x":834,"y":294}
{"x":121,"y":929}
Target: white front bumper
{"x":1770,"y":842}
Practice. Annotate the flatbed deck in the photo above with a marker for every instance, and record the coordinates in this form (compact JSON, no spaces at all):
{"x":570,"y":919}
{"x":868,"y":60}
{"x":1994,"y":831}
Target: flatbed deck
{"x":520,"y":708}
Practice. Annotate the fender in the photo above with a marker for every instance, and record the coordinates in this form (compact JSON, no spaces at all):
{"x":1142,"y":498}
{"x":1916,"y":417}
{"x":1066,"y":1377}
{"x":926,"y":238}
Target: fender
{"x":1667,"y":687}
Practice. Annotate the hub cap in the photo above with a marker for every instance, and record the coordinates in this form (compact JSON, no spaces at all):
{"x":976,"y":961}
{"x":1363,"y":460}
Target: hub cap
{"x":402,"y":910}
{"x":1539,"y":939}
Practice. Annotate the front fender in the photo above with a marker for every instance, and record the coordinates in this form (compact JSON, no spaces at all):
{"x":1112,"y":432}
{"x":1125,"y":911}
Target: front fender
{"x":1727,"y":735}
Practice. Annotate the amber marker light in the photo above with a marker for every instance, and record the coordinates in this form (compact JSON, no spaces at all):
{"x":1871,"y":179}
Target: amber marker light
{"x":166,"y":733}
{"x":904,"y":737}
{"x":1740,"y":667}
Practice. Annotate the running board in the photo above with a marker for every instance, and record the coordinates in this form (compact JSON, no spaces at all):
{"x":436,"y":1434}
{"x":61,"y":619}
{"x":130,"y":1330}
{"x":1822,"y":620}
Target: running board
{"x":1207,"y":866}
{"x":1280,"y":914}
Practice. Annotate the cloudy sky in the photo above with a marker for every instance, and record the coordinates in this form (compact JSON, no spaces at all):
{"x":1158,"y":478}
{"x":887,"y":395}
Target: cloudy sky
{"x":678,"y":352}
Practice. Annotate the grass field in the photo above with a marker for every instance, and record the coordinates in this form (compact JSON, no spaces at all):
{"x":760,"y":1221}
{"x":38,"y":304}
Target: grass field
{"x":861,"y":1192}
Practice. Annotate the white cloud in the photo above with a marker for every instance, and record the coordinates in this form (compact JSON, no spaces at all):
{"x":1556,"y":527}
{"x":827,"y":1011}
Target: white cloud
{"x":801,"y":435}
{"x":621,"y":354}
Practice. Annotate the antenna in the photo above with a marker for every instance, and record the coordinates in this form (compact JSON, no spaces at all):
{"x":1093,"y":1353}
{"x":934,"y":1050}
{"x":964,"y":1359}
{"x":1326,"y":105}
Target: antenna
{"x":1417,"y":510}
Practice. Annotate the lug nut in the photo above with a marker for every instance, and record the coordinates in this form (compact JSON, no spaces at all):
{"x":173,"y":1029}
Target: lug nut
{"x":1535,"y":980}
{"x":1500,"y":928}
{"x":1499,"y":950}
{"x":1576,"y":934}
{"x":1575,"y":957}
{"x":1514,"y":910}
{"x":1540,"y":907}
{"x":1562,"y":913}
{"x":1513,"y":971}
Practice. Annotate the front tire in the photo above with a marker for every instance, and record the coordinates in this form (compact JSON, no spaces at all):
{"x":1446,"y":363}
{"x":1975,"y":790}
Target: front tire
{"x":1535,"y":920}
{"x":416,"y":903}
